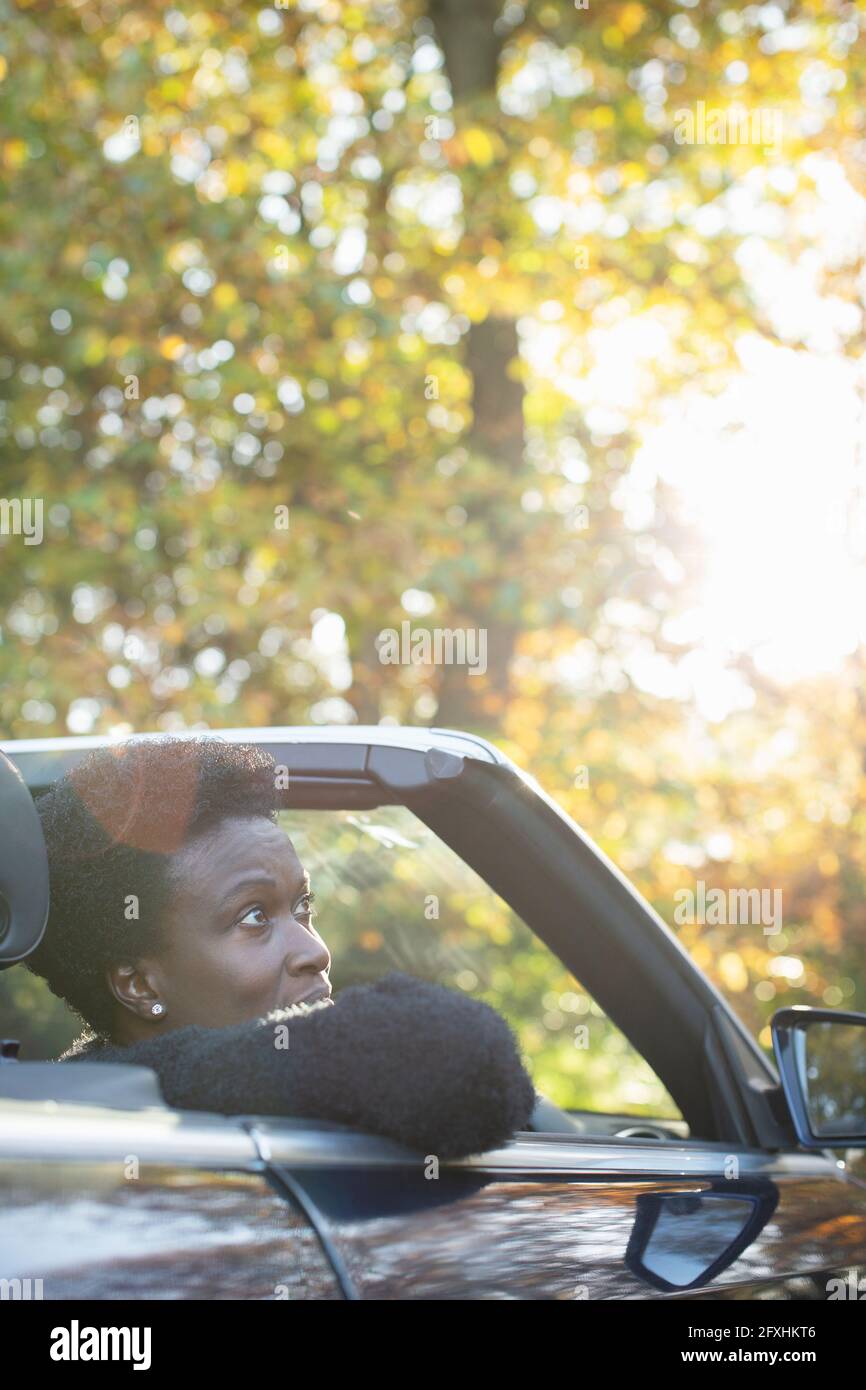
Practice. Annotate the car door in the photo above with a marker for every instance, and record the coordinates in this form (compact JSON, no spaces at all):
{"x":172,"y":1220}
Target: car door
{"x":553,"y":1217}
{"x":102,"y":1199}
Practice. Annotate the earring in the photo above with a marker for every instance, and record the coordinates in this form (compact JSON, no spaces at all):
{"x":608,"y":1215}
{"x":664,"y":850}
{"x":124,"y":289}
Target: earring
{"x":157,"y":1009}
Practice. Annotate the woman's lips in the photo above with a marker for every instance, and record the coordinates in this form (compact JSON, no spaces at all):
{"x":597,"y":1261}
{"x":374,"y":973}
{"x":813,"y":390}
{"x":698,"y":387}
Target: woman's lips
{"x":316,"y":996}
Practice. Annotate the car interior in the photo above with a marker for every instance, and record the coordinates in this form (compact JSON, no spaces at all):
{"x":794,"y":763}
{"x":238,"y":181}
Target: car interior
{"x":24,"y":896}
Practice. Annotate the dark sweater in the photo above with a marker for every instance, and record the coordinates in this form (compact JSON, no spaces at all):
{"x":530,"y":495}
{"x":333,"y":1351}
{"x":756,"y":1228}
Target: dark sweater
{"x":402,"y":1058}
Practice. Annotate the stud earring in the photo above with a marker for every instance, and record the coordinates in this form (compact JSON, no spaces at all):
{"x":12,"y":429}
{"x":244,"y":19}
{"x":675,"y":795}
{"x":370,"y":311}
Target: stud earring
{"x":157,"y":1010}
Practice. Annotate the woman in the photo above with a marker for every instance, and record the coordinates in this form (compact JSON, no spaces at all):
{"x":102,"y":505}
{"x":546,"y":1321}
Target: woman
{"x":181,"y":931}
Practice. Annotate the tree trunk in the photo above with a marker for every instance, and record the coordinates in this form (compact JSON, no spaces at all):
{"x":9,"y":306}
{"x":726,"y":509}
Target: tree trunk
{"x":471,"y":47}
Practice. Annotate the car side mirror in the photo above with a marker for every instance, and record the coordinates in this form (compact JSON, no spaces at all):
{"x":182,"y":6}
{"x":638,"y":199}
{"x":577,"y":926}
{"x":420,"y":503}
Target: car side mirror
{"x":822,"y":1061}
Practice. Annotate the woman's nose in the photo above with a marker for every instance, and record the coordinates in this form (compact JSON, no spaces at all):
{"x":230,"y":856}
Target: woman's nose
{"x":306,"y":954}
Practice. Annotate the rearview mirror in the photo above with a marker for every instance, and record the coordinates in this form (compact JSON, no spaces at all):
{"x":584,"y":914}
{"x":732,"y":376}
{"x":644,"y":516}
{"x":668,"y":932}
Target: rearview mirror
{"x":822,"y":1061}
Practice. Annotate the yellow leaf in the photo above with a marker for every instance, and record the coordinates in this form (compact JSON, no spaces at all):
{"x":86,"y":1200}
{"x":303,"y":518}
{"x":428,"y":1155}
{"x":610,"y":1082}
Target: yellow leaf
{"x":602,"y":118}
{"x":224,"y":295}
{"x":237,"y":176}
{"x":265,"y":557}
{"x":478,"y":146}
{"x":732,"y":972}
{"x":631,"y":18}
{"x":172,"y":346}
{"x":14,"y":153}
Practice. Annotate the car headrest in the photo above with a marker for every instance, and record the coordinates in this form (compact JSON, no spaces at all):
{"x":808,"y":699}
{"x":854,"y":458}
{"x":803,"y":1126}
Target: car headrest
{"x":23,"y":869}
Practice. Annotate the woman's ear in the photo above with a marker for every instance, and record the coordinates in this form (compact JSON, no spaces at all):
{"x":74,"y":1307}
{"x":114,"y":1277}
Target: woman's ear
{"x":136,"y":988}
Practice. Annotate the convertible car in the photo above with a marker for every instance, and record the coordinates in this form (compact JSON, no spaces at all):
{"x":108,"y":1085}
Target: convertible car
{"x":720,"y":1176}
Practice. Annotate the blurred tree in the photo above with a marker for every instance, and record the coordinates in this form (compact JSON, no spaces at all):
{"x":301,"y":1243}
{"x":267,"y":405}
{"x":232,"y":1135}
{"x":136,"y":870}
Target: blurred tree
{"x":324,"y":317}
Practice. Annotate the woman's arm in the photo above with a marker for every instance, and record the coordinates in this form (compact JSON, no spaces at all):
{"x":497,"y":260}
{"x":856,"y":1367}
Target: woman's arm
{"x":403,"y":1058}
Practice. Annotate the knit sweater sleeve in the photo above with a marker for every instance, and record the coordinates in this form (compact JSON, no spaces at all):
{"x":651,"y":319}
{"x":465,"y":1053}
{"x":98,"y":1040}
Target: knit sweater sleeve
{"x":403,"y":1058}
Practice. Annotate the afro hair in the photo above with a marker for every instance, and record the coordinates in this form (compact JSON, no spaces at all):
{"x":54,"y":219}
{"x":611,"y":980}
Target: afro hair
{"x":111,"y":827}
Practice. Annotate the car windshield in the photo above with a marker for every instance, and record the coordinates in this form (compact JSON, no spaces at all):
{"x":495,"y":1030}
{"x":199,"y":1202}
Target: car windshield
{"x":391,"y":895}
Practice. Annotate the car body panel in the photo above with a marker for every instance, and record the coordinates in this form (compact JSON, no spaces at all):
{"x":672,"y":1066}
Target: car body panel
{"x":131,"y":1228}
{"x":548,"y":1216}
{"x":102,"y":1203}
{"x":532,"y":1235}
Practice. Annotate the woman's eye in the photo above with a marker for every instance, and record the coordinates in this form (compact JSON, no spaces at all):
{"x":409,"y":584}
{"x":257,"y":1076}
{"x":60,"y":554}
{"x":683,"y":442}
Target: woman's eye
{"x":255,"y":917}
{"x":304,"y":906}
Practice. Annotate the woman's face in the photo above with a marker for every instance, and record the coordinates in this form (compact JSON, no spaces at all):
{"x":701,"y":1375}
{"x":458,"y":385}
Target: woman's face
{"x":238,"y":934}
